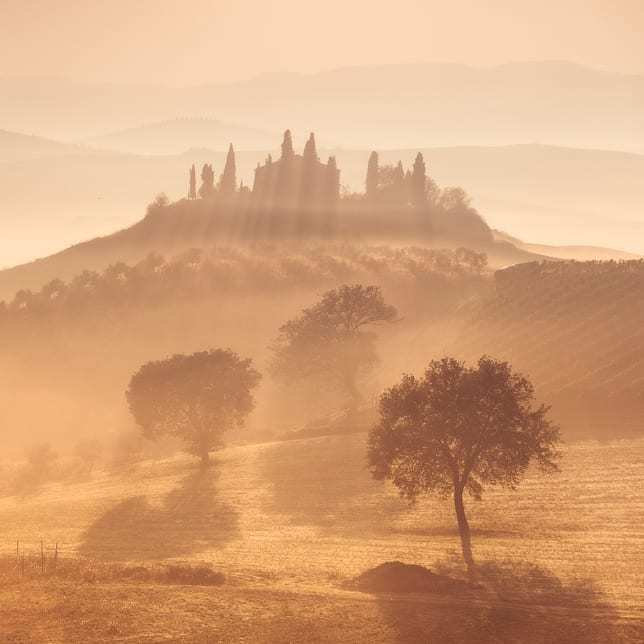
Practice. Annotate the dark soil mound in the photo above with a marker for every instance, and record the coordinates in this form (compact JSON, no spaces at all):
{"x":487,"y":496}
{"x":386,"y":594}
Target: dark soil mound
{"x":397,"y":577}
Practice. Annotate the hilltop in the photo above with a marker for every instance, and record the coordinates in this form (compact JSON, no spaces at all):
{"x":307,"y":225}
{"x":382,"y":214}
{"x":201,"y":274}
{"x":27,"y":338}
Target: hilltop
{"x":297,"y":196}
{"x":545,"y":194}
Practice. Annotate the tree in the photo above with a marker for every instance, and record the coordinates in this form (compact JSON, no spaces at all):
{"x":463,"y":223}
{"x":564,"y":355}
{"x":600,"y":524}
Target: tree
{"x":308,"y":180}
{"x":228,"y":179}
{"x":160,"y":202}
{"x":195,"y":397}
{"x":371,"y":184}
{"x":192,"y":189}
{"x":329,"y":341}
{"x":285,"y":188}
{"x":207,"y":181}
{"x":332,"y":187}
{"x":460,"y":429}
{"x":399,"y":192}
{"x":391,"y":184}
{"x":419,"y":182}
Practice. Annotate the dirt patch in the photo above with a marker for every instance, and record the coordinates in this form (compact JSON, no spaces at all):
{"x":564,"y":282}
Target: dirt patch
{"x":397,"y":577}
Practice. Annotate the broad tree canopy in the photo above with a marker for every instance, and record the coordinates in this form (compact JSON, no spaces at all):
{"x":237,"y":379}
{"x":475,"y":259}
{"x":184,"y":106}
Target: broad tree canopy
{"x":330,"y":341}
{"x":459,"y":429}
{"x":197,"y":397}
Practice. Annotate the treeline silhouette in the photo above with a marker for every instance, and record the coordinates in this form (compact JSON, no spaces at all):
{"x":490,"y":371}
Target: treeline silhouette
{"x":228,"y":270}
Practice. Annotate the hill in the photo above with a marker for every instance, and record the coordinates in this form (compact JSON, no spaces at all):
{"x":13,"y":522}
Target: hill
{"x":206,"y":222}
{"x":579,"y":253}
{"x":178,"y":135}
{"x":577,"y":330}
{"x":551,"y":102}
{"x":538,"y":193}
{"x":290,"y":523}
{"x":15,"y":146}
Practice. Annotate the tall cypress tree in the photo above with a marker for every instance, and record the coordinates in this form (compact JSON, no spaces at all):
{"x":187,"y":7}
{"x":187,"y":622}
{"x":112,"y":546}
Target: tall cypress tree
{"x":192,"y":190}
{"x":419,"y":182}
{"x":332,"y":188}
{"x":308,"y":185}
{"x":228,"y":179}
{"x":398,"y":186}
{"x":371,"y":183}
{"x":285,"y":188}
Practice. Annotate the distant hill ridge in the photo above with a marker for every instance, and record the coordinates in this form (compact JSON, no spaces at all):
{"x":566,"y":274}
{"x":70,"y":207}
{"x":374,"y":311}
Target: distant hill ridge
{"x":177,"y":135}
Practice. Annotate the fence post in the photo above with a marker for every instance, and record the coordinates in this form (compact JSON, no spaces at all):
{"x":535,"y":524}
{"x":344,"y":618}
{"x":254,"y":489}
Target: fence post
{"x":42,"y":558}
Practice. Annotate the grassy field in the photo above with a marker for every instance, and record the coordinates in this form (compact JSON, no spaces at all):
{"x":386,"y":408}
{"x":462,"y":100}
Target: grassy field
{"x":288,"y":523}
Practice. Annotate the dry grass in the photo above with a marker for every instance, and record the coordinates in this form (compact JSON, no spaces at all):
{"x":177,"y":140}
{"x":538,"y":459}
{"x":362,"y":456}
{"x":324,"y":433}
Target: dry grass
{"x":287,"y":523}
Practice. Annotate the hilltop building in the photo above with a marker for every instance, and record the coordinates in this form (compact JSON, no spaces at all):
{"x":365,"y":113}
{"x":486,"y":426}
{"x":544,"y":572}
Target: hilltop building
{"x":296,"y":180}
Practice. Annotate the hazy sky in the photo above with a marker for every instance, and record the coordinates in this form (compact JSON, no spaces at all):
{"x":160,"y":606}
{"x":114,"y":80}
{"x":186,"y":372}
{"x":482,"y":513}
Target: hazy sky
{"x":218,"y":40}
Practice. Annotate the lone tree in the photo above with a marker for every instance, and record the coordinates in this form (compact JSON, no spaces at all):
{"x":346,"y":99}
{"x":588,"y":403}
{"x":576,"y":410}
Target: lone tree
{"x":459,"y":429}
{"x":196,"y":397}
{"x":330,"y":341}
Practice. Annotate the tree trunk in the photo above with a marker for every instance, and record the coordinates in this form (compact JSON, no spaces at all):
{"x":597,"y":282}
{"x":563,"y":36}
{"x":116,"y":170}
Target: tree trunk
{"x":464,"y":530}
{"x":351,"y":384}
{"x":204,"y":454}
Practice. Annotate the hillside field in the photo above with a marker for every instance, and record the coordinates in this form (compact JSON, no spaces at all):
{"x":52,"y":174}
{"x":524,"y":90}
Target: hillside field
{"x":289,"y":522}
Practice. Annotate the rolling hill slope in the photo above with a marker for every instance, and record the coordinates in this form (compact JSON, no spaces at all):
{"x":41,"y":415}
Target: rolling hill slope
{"x":577,"y":330}
{"x":288,"y":523}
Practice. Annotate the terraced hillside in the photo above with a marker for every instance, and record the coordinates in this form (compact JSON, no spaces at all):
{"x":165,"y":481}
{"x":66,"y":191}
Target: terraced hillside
{"x":577,"y":329}
{"x":289,"y":522}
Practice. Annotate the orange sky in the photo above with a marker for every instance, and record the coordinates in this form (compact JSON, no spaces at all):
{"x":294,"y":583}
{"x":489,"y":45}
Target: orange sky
{"x":218,"y":40}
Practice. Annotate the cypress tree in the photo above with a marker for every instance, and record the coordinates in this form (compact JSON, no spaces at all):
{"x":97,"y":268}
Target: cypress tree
{"x":192,"y":190}
{"x":332,"y":188}
{"x":371,"y":183}
{"x":285,"y":187}
{"x":228,"y":179}
{"x":419,"y":182}
{"x":398,"y":186}
{"x":207,"y":181}
{"x":308,"y":185}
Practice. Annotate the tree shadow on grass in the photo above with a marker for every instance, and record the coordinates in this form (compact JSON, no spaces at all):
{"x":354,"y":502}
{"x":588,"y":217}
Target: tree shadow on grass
{"x":324,"y":482}
{"x":521,"y":604}
{"x":190,"y":519}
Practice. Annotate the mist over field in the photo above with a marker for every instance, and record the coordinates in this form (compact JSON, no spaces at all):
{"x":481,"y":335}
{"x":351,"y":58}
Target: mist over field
{"x":322,"y":323}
